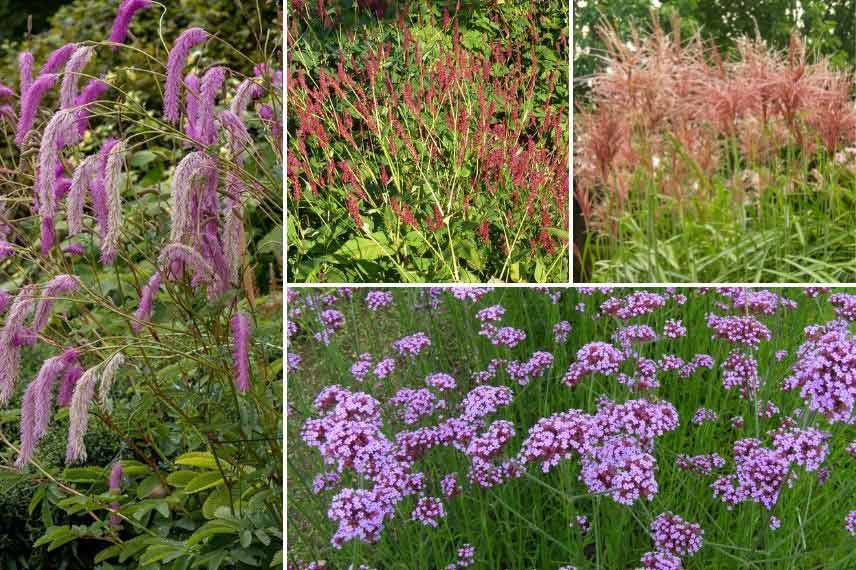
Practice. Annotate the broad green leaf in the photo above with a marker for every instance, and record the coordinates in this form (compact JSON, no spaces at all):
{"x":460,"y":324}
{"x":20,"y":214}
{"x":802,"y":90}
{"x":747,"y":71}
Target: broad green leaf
{"x":204,"y":480}
{"x":197,"y":459}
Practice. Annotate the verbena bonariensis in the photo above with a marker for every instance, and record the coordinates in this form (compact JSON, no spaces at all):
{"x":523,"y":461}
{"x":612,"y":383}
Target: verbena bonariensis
{"x":605,"y":422}
{"x":678,"y":111}
{"x":423,"y":151}
{"x":129,"y":235}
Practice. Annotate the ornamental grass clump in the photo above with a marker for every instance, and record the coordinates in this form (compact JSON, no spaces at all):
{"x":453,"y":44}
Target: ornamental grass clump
{"x":646,"y":458}
{"x":685,"y":150}
{"x":141,"y":295}
{"x":431,"y":147}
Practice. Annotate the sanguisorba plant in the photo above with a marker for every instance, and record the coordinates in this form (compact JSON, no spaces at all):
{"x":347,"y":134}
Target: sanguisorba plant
{"x":571,"y":429}
{"x":428,"y":142}
{"x":694,"y":164}
{"x":164,"y":336}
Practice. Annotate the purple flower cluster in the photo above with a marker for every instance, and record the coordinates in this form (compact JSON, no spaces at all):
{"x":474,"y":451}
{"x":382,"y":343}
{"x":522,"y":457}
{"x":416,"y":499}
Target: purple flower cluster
{"x":631,"y":334}
{"x":661,"y":561}
{"x":740,"y":371}
{"x":674,"y":329}
{"x":523,"y":372}
{"x":674,"y":535}
{"x":376,"y":300}
{"x":561,"y":331}
{"x":636,"y":304}
{"x":428,"y":510}
{"x":440,"y":381}
{"x":702,"y":464}
{"x":845,"y":306}
{"x":825,"y":373}
{"x":416,"y":404}
{"x":412,"y":345}
{"x":594,"y":357}
{"x":761,"y":473}
{"x":850,"y":522}
{"x":745,"y":330}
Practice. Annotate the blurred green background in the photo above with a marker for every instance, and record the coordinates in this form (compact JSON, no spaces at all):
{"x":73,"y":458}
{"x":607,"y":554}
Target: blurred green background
{"x":829,"y":26}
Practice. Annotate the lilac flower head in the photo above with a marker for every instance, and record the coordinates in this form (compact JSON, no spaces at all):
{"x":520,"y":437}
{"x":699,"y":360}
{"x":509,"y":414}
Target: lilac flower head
{"x":483,"y":401}
{"x":845,"y":306}
{"x":636,"y":304}
{"x":561,"y":331}
{"x":850,"y":522}
{"x":440,"y":381}
{"x":450,"y":486}
{"x":556,"y":438}
{"x":416,"y":404}
{"x":360,"y":515}
{"x":492,"y":441}
{"x":126,"y":12}
{"x":412,"y":345}
{"x":428,"y":510}
{"x":661,"y":561}
{"x":704,"y":415}
{"x":376,"y":300}
{"x":620,"y":468}
{"x":746,"y":330}
{"x":384,"y":368}
{"x":674,"y":329}
{"x":673,"y":534}
{"x":175,"y":65}
{"x":825,"y":373}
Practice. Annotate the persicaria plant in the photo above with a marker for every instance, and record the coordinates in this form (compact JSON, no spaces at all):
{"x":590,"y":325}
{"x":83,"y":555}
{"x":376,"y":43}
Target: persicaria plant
{"x":428,"y":142}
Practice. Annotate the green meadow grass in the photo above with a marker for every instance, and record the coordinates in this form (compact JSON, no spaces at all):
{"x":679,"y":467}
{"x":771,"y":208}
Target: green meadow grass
{"x":526,"y":523}
{"x":801,"y":228}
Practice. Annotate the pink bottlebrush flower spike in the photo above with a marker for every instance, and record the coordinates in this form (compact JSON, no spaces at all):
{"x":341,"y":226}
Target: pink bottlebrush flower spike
{"x":180,"y":254}
{"x":61,"y":130}
{"x":112,"y":193}
{"x":84,"y":390}
{"x":25,"y":72}
{"x":240,"y":327}
{"x":71,"y":76}
{"x":196,"y":164}
{"x":124,"y":15}
{"x":58,"y":58}
{"x":93,"y":89}
{"x":211,"y":84}
{"x":175,"y":64}
{"x":10,"y":349}
{"x":57,"y":286}
{"x":30,"y":103}
{"x":80,"y":182}
{"x":67,"y":384}
{"x":144,"y":311}
{"x":36,"y":406}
